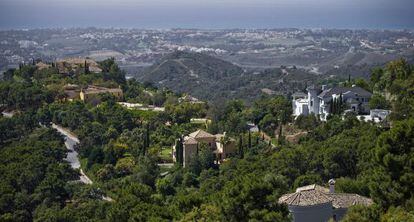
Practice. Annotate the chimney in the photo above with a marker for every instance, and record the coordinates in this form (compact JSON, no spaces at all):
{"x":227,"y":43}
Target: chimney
{"x":324,"y":87}
{"x":331,"y":183}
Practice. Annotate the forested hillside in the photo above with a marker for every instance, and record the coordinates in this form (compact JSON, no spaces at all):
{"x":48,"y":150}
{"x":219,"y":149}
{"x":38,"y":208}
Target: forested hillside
{"x":124,"y":151}
{"x":197,"y":74}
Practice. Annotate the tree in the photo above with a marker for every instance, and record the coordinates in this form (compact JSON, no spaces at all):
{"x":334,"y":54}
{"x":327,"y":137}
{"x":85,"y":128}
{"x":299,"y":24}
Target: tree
{"x":394,"y":179}
{"x":241,"y":150}
{"x":125,"y":166}
{"x":378,"y":101}
{"x":206,"y":157}
{"x":250,"y":140}
{"x":179,"y":151}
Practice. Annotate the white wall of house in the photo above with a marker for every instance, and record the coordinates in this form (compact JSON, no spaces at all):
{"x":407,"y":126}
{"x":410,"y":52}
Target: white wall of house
{"x":314,"y":213}
{"x":321,"y":106}
{"x":300,"y":107}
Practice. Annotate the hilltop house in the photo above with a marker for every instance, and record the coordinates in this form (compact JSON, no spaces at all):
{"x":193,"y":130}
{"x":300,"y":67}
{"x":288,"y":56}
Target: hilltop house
{"x":189,"y":99}
{"x":74,"y":65}
{"x":92,"y":93}
{"x":314,"y":203}
{"x":221,"y":145}
{"x":320,"y":101}
{"x":71,"y":91}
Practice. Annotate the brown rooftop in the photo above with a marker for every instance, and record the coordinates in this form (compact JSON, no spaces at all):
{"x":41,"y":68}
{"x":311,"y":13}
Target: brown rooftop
{"x":314,"y":195}
{"x":305,"y":198}
{"x":97,"y":89}
{"x":201,"y":134}
{"x":345,"y":200}
{"x":190,"y":140}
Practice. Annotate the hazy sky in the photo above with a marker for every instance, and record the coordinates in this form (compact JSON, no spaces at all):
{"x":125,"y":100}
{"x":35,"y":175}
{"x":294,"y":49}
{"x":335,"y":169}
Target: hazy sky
{"x":375,"y":14}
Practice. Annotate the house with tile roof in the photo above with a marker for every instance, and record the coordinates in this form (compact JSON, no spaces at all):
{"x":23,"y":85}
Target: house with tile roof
{"x":221,"y":145}
{"x":319,"y":101}
{"x":92,"y":93}
{"x":74,"y":65}
{"x":314,"y":203}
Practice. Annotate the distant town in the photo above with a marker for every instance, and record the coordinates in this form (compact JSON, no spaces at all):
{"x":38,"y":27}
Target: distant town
{"x":315,"y":50}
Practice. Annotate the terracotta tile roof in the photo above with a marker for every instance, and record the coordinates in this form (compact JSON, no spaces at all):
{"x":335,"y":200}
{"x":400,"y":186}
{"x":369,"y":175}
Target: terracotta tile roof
{"x":97,"y":90}
{"x":190,"y":140}
{"x":201,"y":134}
{"x":345,"y":200}
{"x":314,"y":195}
{"x":305,"y":198}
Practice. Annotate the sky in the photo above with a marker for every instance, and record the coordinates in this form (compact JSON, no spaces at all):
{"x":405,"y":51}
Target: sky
{"x":354,"y":14}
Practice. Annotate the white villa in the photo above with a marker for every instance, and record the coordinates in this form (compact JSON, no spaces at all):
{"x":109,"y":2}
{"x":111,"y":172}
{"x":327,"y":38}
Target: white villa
{"x":318,"y":100}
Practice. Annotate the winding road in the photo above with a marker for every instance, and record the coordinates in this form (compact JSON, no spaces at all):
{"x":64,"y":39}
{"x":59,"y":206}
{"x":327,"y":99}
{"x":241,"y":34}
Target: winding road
{"x":70,"y":142}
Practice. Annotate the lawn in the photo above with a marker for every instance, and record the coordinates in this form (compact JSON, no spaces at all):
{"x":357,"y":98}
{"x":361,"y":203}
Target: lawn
{"x":165,"y":154}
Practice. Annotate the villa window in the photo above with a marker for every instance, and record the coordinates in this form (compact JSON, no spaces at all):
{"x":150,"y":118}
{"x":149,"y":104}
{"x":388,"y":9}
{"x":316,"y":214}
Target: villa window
{"x":311,"y":102}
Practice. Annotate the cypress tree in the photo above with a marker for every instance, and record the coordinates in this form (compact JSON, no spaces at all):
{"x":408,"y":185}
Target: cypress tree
{"x":250,"y":140}
{"x":146,"y":140}
{"x":179,"y":151}
{"x":340,"y":103}
{"x":241,"y":146}
{"x":280,"y":132}
{"x":147,"y":135}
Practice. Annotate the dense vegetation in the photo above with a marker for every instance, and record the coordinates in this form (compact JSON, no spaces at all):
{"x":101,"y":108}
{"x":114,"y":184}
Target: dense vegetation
{"x":197,"y":74}
{"x":120,"y":150}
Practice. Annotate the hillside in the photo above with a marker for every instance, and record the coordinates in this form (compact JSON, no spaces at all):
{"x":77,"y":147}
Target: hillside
{"x":190,"y":72}
{"x":198,"y":74}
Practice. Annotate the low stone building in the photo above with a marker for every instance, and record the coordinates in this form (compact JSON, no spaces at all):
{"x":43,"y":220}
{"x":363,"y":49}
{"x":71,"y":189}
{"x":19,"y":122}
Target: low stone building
{"x":221,"y":145}
{"x":75,"y":65}
{"x":72,"y":92}
{"x":314,"y":203}
{"x":92,"y":93}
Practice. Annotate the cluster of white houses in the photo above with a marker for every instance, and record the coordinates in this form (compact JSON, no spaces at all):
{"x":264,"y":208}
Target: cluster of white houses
{"x":319,"y":101}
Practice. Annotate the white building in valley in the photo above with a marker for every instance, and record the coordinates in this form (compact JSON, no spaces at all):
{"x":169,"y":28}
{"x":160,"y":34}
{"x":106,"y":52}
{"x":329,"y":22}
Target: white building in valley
{"x":321,"y":101}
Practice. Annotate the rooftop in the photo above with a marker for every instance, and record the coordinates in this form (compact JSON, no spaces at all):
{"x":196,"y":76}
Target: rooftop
{"x":201,"y":134}
{"x":305,"y":198}
{"x":314,"y":195}
{"x":97,"y":89}
{"x":190,"y":140}
{"x":342,"y":90}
